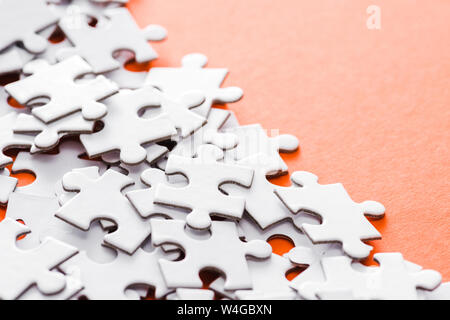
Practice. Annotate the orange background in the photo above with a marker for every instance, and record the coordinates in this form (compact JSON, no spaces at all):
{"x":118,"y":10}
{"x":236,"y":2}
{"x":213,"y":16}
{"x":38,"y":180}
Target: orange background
{"x":370,"y":107}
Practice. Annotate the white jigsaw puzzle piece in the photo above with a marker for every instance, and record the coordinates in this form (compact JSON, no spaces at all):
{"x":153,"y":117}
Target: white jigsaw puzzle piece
{"x":120,"y":32}
{"x":193,"y":76}
{"x":125,"y":131}
{"x":109,"y":281}
{"x":58,"y":83}
{"x":223,"y":251}
{"x":343,"y":220}
{"x":202,"y":195}
{"x":23,"y":19}
{"x":22,"y":269}
{"x":102,"y":198}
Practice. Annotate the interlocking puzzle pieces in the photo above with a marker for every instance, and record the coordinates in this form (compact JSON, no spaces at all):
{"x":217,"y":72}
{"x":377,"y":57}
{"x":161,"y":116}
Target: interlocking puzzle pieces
{"x":268,"y":278}
{"x":102,"y":199}
{"x":261,"y":203}
{"x":58,"y":83}
{"x":23,"y":19}
{"x":98,"y":44}
{"x":125,"y":131}
{"x":9,"y":140}
{"x":343,"y":220}
{"x":110,"y":281}
{"x":193,"y":76}
{"x":23,"y":269}
{"x":7,"y":185}
{"x":393,"y":280}
{"x":49,"y":168}
{"x":48,"y":134}
{"x":253,"y":140}
{"x":222,"y":251}
{"x":142,"y":199}
{"x":38,"y":214}
{"x":202,"y":195}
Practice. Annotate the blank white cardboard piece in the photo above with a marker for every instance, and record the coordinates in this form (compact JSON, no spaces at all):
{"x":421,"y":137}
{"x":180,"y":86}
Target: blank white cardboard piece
{"x":143,"y":199}
{"x":120,"y":32}
{"x":23,"y":269}
{"x":125,"y":131}
{"x":24,"y":19}
{"x":109,"y":281}
{"x":50,"y":168}
{"x":102,"y":199}
{"x":261,"y":203}
{"x":202,"y":195}
{"x":193,"y":76}
{"x":222,"y":251}
{"x":343,"y":220}
{"x":58,"y":83}
{"x":38,"y":214}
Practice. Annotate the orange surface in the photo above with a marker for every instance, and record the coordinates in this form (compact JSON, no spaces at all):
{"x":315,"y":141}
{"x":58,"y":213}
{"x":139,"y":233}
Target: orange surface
{"x":370,"y":107}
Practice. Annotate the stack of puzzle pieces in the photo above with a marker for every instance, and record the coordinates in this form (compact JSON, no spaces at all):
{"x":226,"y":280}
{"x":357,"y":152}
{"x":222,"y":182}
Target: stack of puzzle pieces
{"x":142,"y":185}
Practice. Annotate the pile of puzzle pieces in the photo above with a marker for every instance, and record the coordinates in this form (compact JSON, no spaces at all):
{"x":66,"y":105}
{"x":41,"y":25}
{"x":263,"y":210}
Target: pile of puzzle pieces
{"x":141,"y":184}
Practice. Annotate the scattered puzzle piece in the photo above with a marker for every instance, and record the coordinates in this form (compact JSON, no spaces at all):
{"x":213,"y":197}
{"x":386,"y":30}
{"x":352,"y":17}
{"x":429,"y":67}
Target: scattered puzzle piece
{"x":343,"y":220}
{"x":221,"y":251}
{"x":202,"y":195}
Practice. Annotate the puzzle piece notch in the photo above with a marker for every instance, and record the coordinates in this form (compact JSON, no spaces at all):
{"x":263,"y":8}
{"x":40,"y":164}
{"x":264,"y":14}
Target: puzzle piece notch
{"x":23,"y":19}
{"x":127,"y":36}
{"x":58,"y":83}
{"x":223,"y":251}
{"x":192,"y":76}
{"x":125,"y":131}
{"x":48,"y":135}
{"x":49,"y":168}
{"x":22,"y":269}
{"x":102,"y":199}
{"x":343,"y":220}
{"x":202,"y":195}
